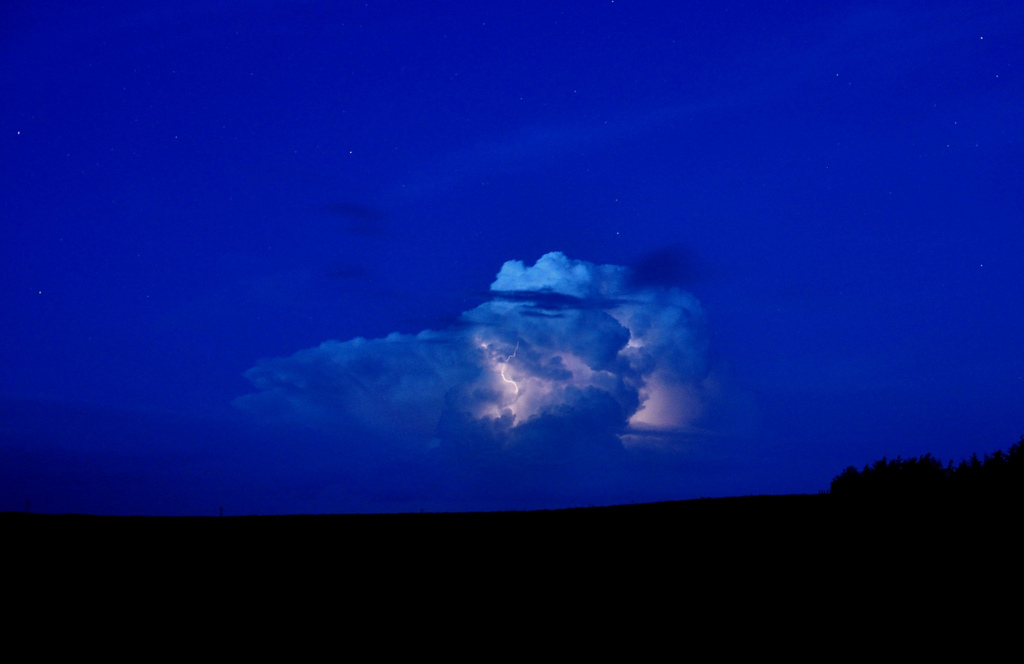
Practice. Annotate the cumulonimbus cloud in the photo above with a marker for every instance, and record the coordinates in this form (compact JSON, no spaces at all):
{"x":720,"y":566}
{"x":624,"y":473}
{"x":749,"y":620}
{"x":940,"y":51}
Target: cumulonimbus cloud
{"x":565,"y":358}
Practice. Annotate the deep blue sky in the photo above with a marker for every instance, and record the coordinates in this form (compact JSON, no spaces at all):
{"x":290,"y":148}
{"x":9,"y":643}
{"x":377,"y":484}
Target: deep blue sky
{"x":188,"y":192}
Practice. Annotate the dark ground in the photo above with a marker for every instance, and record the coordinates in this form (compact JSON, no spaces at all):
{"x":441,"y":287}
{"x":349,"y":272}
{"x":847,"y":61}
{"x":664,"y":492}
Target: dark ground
{"x":794,"y":572}
{"x":727,"y":534}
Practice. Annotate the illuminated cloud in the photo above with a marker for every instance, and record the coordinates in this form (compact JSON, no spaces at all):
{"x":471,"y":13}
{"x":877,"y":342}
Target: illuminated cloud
{"x":566,"y":359}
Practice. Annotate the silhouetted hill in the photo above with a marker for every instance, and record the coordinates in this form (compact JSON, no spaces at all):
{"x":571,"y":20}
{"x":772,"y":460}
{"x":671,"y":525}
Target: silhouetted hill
{"x":710,"y":530}
{"x":763,"y":565}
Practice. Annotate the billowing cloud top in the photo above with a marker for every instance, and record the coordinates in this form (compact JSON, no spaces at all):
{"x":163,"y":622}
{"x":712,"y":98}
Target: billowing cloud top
{"x":566,"y":358}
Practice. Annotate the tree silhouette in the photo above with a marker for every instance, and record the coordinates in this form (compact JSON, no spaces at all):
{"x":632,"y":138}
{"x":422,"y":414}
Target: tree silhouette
{"x":998,"y":475}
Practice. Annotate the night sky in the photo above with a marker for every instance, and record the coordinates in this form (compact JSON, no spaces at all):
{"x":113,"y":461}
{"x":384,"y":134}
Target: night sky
{"x":306,"y":257}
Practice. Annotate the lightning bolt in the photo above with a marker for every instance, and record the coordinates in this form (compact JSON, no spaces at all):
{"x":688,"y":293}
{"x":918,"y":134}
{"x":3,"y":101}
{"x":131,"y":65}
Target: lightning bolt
{"x":502,"y":372}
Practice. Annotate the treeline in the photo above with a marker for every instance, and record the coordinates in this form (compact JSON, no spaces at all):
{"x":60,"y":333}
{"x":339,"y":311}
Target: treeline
{"x":997,"y":475}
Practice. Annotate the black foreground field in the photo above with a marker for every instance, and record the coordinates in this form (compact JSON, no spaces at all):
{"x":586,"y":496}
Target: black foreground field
{"x":719,"y":533}
{"x":790,"y":570}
